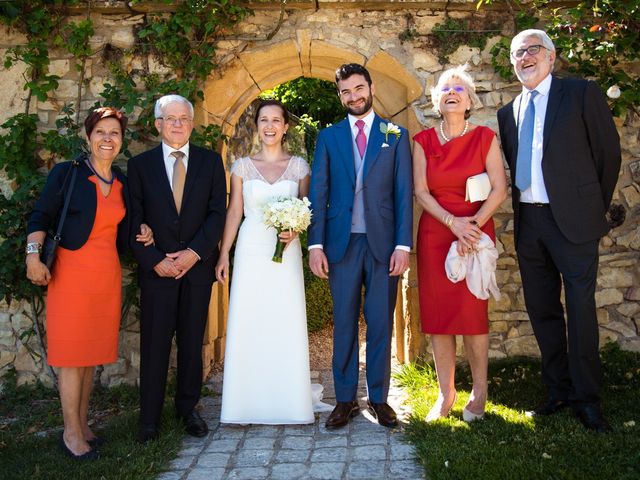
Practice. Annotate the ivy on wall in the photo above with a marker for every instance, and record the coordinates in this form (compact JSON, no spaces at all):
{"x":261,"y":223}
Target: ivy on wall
{"x":183,"y":41}
{"x":595,"y":39}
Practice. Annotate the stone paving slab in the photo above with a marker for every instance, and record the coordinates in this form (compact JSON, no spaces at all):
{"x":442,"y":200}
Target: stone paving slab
{"x":361,"y":450}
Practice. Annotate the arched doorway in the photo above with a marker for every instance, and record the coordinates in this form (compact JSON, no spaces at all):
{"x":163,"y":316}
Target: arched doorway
{"x":238,"y":82}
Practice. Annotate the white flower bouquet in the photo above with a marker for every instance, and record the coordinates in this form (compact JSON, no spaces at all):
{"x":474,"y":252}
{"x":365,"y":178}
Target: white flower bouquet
{"x":286,"y":214}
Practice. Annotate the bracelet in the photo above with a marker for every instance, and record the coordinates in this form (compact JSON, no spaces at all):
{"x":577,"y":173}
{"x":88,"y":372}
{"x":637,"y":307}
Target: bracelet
{"x":33,"y":247}
{"x":448,"y":220}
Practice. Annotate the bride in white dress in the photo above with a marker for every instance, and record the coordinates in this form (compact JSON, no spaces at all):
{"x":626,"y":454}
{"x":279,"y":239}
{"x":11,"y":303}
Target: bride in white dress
{"x":266,"y":369}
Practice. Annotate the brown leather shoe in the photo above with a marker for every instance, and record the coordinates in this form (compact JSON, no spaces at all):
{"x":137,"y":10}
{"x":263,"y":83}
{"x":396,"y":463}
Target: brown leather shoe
{"x":383,"y":413}
{"x":341,"y":415}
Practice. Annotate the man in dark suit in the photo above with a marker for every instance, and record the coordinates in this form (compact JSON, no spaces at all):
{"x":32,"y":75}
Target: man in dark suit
{"x":563,"y":151}
{"x":360,"y":235}
{"x":179,"y":190}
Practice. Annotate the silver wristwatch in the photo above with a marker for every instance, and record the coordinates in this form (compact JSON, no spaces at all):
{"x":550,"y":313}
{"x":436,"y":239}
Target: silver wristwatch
{"x":33,"y":247}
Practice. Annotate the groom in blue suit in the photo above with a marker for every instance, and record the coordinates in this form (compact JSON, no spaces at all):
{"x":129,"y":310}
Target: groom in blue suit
{"x":360,"y":235}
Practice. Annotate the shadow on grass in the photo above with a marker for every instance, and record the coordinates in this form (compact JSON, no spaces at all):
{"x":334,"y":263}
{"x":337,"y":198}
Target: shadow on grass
{"x":509,"y":443}
{"x":31,"y":422}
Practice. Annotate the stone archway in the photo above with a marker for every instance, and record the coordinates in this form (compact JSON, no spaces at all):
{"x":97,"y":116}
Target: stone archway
{"x":238,"y":82}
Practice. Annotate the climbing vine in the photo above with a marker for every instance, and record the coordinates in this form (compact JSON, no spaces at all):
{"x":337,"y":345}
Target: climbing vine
{"x":184,"y":42}
{"x":596,"y":39}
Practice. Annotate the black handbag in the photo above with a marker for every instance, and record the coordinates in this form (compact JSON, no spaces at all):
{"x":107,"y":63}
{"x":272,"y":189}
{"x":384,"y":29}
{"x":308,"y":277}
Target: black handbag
{"x":48,"y":253}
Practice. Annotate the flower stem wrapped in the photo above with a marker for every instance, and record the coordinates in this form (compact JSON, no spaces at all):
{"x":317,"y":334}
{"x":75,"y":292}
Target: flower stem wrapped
{"x":290,"y":214}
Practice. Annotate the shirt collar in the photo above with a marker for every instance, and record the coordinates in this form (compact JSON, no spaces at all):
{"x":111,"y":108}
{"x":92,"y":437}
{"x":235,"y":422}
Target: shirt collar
{"x":368,"y":120}
{"x":167,"y":150}
{"x":542,"y":88}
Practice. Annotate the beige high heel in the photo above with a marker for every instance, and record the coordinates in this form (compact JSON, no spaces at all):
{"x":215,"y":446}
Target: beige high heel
{"x":435,"y":412}
{"x":468,"y":416}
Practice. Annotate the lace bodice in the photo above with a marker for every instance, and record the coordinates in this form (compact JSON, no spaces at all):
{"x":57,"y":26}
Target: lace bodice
{"x":256,"y":191}
{"x":244,"y":168}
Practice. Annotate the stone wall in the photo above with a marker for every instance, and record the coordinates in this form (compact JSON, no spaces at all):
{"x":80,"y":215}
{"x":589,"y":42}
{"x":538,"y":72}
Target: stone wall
{"x":313,"y":42}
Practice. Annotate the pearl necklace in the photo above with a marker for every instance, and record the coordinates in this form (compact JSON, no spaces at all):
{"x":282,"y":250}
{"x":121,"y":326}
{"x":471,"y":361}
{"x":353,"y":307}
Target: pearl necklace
{"x":447,"y":139}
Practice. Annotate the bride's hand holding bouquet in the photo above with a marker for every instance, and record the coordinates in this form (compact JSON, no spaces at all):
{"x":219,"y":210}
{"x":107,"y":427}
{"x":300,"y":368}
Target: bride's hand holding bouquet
{"x":289,"y":216}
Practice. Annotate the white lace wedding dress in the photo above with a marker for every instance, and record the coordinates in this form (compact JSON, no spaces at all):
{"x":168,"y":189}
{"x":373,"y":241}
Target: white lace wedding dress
{"x":266,"y":366}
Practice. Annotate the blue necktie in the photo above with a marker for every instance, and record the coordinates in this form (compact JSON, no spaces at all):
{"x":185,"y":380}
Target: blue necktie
{"x":525,"y":145}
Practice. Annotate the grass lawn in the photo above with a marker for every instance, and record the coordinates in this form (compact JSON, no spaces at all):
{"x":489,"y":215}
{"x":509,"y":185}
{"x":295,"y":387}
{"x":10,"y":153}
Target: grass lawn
{"x":31,"y":422}
{"x":509,"y":444}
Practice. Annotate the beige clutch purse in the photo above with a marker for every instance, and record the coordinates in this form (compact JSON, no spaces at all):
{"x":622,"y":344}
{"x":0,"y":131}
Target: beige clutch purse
{"x":478,"y":187}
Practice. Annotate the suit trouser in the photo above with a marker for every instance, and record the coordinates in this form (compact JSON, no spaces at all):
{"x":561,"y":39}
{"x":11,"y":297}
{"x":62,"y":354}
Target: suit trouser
{"x":570,"y":360}
{"x":346,"y":278}
{"x":164,"y":311}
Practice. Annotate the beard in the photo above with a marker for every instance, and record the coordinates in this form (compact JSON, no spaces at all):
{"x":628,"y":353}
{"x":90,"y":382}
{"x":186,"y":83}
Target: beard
{"x":359,"y":110}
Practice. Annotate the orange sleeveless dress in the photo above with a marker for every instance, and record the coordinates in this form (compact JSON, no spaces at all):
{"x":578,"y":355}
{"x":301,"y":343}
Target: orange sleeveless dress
{"x":84,"y":294}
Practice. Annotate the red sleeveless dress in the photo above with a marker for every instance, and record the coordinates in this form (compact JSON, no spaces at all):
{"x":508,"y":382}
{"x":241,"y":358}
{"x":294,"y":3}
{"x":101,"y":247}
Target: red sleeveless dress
{"x":449,"y":308}
{"x":85,"y":292}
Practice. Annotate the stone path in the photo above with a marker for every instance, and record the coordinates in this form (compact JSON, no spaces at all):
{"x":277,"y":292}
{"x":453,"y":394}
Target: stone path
{"x":362,"y":450}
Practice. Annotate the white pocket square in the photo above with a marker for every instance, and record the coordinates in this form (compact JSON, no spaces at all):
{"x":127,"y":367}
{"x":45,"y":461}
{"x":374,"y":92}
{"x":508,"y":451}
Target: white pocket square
{"x":385,"y":145}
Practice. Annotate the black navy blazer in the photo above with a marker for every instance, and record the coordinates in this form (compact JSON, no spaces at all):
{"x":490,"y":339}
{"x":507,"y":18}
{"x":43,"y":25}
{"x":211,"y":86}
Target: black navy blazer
{"x":82,"y":206}
{"x":198,"y":226}
{"x":580,"y":157}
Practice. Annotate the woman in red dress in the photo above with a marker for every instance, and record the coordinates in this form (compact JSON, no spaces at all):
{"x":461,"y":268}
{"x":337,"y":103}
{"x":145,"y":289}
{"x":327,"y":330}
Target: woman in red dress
{"x":84,"y":292}
{"x":443,"y":158}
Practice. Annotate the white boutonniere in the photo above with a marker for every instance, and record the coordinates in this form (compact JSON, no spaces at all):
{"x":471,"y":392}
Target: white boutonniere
{"x":389,"y":128}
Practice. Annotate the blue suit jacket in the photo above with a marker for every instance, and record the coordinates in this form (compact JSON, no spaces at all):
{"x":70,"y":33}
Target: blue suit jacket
{"x":387,"y":183}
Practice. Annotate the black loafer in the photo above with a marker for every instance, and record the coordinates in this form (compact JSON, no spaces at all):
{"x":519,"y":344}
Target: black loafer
{"x":147,"y":433}
{"x":551,"y":406}
{"x":591,"y":417}
{"x":194,"y":425}
{"x":87,"y":456}
{"x":383,"y":413}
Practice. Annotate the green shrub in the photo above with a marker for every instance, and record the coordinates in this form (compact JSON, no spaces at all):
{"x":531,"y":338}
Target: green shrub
{"x":319,"y":304}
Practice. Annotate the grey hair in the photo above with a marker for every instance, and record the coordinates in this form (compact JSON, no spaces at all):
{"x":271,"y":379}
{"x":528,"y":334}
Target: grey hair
{"x":459,"y":72}
{"x":162,"y":103}
{"x":532,"y":32}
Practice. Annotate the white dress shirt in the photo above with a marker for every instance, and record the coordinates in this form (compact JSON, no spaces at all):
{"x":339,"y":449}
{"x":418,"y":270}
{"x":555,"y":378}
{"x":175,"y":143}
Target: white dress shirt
{"x":536,"y":193}
{"x":170,"y":160}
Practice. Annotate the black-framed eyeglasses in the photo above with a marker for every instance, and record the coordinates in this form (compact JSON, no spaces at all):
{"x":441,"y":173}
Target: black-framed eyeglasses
{"x":531,"y":50}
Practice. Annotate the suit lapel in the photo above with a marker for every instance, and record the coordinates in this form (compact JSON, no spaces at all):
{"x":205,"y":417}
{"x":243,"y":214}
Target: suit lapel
{"x":374,"y":145}
{"x":555,"y":98}
{"x":159,"y":170}
{"x":345,"y":148}
{"x":195,"y":162}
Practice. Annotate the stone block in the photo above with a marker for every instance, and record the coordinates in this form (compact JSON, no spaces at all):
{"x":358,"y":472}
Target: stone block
{"x":24,"y":361}
{"x":463,"y":55}
{"x":67,"y":90}
{"x":608,"y":296}
{"x":630,"y":344}
{"x":287,"y":471}
{"x":630,"y":240}
{"x":59,"y":67}
{"x":522,"y":346}
{"x":6,"y":357}
{"x":625,"y":328}
{"x":390,"y":67}
{"x":631,"y":195}
{"x":628,"y":309}
{"x":26,"y":378}
{"x":325,"y":58}
{"x":426,"y":61}
{"x":123,"y":38}
{"x":615,"y":278}
{"x":12,"y":101}
{"x":603,"y":316}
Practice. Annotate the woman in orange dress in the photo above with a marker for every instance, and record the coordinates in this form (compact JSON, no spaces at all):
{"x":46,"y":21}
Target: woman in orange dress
{"x":84,"y":291}
{"x":443,"y":158}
